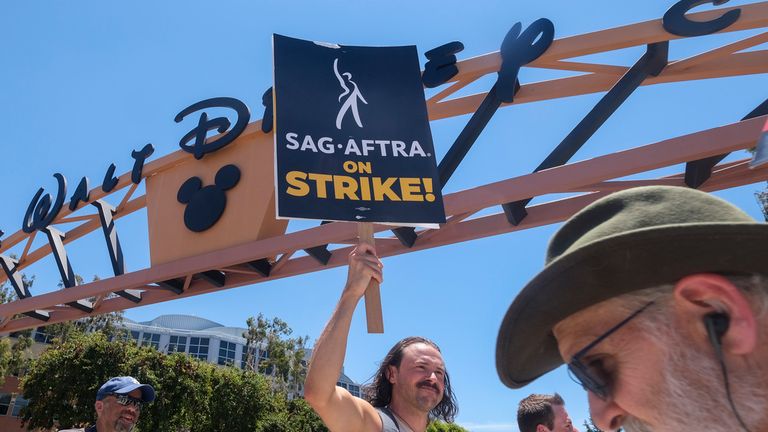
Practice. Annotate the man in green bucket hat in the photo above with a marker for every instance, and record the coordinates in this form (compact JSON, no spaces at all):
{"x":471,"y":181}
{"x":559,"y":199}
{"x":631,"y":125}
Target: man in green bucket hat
{"x":656,"y":298}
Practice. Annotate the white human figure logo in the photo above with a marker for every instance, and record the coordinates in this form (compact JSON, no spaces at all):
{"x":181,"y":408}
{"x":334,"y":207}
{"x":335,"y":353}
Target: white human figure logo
{"x":352,"y":96}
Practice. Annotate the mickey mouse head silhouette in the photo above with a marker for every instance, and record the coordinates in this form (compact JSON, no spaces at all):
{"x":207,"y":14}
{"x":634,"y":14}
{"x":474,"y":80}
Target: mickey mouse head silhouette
{"x":205,"y":205}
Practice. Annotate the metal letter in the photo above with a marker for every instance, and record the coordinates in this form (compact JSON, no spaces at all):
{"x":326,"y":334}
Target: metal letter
{"x":138,"y":165}
{"x":268,"y":118}
{"x":675,"y":21}
{"x":56,"y":240}
{"x":106,"y":213}
{"x":110,"y":181}
{"x":81,"y":194}
{"x":441,"y":64}
{"x":40,"y":213}
{"x":17,"y":282}
{"x":200,"y":147}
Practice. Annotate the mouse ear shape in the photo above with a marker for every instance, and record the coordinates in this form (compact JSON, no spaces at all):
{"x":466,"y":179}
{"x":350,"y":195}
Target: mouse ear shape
{"x":188,"y":189}
{"x":227,"y":177}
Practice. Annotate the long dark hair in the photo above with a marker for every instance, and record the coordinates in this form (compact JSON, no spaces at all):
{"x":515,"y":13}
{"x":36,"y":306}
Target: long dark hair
{"x":379,"y":392}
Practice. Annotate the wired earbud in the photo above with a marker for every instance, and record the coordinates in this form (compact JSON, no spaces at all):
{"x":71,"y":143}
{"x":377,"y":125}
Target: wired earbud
{"x":717,"y":325}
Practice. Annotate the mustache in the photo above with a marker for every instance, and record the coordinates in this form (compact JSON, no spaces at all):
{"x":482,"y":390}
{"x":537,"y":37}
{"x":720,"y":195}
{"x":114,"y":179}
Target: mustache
{"x":632,"y":424}
{"x":431,"y":385}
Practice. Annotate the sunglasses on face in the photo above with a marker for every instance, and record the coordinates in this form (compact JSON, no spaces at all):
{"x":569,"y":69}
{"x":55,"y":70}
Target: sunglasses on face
{"x":126,"y":400}
{"x":592,"y":376}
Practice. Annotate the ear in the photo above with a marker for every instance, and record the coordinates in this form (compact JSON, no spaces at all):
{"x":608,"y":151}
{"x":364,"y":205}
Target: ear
{"x":541,"y":428}
{"x":391,"y":374}
{"x":701,"y":294}
{"x":99,"y":407}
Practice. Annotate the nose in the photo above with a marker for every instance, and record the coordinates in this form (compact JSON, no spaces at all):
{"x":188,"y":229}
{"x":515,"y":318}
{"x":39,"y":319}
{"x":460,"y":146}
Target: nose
{"x":432,"y":376}
{"x":135,"y":410}
{"x":571,"y":427}
{"x":606,"y":414}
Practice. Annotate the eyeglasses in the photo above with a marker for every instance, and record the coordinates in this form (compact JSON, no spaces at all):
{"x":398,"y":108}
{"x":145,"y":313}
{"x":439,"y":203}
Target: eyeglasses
{"x":126,"y":400}
{"x":591,"y":376}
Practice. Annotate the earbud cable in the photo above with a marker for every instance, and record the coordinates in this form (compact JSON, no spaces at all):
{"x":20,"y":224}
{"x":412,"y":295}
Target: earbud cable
{"x":719,"y":354}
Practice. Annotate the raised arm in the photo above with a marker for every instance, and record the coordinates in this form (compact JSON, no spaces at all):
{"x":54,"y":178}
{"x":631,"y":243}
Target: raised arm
{"x":341,"y":411}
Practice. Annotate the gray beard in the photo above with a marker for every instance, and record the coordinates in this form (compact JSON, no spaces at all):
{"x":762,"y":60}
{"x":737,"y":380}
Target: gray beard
{"x":120,"y":427}
{"x":693,"y":395}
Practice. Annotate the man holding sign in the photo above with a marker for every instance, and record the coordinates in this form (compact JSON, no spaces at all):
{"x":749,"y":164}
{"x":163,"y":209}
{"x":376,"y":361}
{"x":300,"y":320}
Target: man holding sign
{"x":352,"y":143}
{"x":410,"y":388}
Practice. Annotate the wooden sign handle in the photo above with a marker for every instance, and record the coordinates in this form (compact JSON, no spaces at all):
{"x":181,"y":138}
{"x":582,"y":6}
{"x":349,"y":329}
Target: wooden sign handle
{"x":373,"y":313}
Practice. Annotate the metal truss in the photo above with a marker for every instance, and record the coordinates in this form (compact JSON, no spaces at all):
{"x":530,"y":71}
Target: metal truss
{"x":585,"y":181}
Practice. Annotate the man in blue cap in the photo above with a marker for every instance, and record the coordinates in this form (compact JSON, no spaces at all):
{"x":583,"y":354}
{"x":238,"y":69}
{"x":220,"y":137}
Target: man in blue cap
{"x":118,"y":405}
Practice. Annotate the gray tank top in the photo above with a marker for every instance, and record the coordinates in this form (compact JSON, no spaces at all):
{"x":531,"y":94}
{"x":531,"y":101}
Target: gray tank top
{"x":388,"y":422}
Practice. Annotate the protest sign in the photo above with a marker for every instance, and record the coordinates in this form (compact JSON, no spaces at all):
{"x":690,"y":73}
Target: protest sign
{"x":761,"y":150}
{"x":352,"y":137}
{"x":352,"y":140}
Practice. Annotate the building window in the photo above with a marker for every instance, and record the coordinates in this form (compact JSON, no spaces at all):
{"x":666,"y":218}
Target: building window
{"x":42,"y":336}
{"x":227,"y":353}
{"x":177,"y":344}
{"x":355,"y":390}
{"x":18,"y":404}
{"x":150,"y":339}
{"x":5,"y":402}
{"x":198,"y":347}
{"x":135,"y":335}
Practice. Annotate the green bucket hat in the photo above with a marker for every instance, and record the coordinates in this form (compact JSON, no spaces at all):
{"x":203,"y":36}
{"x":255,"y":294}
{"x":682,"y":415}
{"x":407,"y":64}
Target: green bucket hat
{"x":630,"y":240}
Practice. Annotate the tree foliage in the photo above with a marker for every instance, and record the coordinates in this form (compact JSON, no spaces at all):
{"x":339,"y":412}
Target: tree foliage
{"x":295,"y":415}
{"x":271,"y":351}
{"x":193,"y":396}
{"x":13,"y":353}
{"x":762,"y":201}
{"x":439,"y":426}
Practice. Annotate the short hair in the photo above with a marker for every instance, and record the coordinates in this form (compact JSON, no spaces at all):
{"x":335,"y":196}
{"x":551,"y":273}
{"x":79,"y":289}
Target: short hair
{"x":379,"y":393}
{"x":537,"y":409}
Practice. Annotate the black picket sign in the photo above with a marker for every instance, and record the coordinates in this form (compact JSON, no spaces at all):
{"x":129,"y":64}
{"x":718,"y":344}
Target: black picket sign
{"x":352,"y":135}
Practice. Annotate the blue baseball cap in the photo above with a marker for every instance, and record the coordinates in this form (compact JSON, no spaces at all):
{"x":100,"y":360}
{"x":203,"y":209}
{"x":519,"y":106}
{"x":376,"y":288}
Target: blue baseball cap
{"x":124,"y":385}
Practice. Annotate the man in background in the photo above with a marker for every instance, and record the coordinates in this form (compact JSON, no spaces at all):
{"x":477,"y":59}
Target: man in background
{"x":544,"y":413}
{"x":118,"y":405}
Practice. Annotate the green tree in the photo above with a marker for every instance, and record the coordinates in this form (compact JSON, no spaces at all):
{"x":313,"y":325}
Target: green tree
{"x":761,"y":196}
{"x":14,"y":351}
{"x":295,"y":415}
{"x":194,"y":396}
{"x":439,"y":426}
{"x":762,"y":201}
{"x":271,"y":351}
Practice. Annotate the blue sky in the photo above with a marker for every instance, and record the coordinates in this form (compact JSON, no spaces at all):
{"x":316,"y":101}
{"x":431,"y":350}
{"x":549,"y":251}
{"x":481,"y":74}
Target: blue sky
{"x":83,"y":83}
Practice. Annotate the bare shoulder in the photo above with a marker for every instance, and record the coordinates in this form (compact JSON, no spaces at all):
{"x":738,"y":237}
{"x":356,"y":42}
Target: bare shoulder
{"x":347,"y":413}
